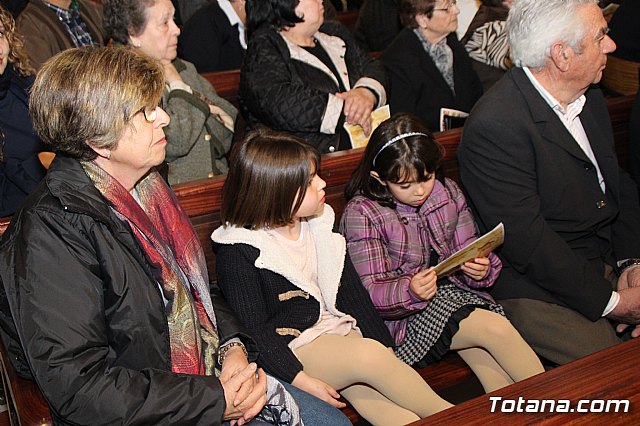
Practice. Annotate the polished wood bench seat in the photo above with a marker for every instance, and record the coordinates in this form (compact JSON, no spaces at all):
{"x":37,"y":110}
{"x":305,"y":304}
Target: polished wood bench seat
{"x":600,"y":389}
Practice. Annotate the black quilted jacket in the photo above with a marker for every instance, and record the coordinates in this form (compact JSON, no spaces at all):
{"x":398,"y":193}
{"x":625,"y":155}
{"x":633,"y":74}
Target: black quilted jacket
{"x":289,"y":95}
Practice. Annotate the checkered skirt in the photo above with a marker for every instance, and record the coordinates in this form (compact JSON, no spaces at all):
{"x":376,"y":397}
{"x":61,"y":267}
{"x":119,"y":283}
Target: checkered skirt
{"x":431,"y":330}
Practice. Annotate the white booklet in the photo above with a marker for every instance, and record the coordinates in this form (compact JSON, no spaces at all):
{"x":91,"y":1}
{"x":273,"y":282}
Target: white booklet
{"x":478,"y":248}
{"x":451,"y":118}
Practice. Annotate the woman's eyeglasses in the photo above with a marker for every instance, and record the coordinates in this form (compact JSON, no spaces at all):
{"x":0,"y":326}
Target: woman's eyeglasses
{"x":448,"y":6}
{"x":150,"y":114}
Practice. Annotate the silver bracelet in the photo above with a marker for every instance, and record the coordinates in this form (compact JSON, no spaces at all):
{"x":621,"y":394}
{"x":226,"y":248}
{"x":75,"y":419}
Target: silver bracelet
{"x":222,"y":352}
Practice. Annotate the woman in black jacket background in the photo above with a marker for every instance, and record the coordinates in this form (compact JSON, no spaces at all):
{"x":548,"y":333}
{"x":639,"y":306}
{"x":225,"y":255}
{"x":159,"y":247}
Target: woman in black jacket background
{"x":428,"y":67}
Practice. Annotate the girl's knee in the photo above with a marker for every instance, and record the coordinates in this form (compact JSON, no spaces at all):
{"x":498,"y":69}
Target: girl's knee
{"x":499,"y":328}
{"x":371,"y":354}
{"x":483,"y":326}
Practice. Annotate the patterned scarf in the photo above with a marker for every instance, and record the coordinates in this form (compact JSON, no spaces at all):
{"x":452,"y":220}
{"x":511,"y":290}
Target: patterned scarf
{"x":169,"y":242}
{"x":171,"y":246}
{"x":442,"y":56}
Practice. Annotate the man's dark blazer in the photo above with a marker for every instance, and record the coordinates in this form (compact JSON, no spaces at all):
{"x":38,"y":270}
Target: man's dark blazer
{"x":519,"y":165}
{"x":210,"y":42}
{"x":417,"y":86}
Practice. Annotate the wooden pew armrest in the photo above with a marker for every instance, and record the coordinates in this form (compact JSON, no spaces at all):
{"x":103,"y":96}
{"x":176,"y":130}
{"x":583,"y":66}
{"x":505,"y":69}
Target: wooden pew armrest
{"x":23,"y":396}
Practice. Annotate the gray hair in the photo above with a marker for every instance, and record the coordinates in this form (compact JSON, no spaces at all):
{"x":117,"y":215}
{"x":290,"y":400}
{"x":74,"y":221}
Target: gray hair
{"x":534,"y":25}
{"x":124,"y":18}
{"x":72,"y":108}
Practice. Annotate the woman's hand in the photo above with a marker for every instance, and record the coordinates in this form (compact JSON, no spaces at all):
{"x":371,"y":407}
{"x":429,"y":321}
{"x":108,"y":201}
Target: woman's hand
{"x":170,"y":73}
{"x":318,"y":388}
{"x":423,"y":284}
{"x":234,"y":362}
{"x":358,"y":104}
{"x":222,"y":116}
{"x":477,"y":269}
{"x":245,"y":395}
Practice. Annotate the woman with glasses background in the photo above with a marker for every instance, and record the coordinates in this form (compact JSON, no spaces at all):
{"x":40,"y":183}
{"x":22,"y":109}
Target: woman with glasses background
{"x":428,"y":67}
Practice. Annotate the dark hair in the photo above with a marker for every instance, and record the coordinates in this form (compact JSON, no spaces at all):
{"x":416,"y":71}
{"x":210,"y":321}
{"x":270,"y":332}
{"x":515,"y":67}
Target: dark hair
{"x":123,"y":18}
{"x":412,"y":156}
{"x":277,"y":14}
{"x":267,"y":173}
{"x":408,"y":9}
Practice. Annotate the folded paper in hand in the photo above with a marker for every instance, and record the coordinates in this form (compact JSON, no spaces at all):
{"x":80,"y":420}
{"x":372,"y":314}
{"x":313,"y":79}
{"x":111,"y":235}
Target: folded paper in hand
{"x":478,"y":248}
{"x":356,"y":132}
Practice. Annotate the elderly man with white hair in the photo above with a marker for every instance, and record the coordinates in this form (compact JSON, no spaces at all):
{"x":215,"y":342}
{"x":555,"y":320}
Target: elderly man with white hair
{"x":537,"y":154}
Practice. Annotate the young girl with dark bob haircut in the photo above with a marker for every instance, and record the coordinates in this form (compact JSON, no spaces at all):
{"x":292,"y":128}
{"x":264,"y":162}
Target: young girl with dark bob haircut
{"x":402,"y":218}
{"x":288,"y":277}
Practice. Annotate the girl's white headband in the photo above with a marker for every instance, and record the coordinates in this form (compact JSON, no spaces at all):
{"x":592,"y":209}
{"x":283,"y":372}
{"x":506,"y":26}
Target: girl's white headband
{"x":394,"y":140}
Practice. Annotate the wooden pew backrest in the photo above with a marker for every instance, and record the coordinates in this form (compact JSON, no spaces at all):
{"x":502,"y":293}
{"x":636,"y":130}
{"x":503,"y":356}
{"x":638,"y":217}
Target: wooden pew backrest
{"x":202,"y":199}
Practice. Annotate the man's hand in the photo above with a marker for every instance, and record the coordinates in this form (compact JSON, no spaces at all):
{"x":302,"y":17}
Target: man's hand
{"x":318,"y":388}
{"x":620,"y":328}
{"x":423,"y":284}
{"x":477,"y":269}
{"x":358,"y":104}
{"x":628,"y":309}
{"x":630,"y":277}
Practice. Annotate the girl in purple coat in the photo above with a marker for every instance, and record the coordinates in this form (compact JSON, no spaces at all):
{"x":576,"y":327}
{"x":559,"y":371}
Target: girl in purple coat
{"x":402,"y":218}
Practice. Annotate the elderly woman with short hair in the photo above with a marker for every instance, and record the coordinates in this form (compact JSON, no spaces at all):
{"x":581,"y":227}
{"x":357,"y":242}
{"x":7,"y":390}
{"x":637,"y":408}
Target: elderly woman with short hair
{"x":428,"y":67}
{"x":202,"y":123}
{"x":106,"y":299}
{"x":306,"y":77}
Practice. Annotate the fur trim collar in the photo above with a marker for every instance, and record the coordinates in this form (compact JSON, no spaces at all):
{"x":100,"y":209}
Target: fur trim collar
{"x":330,"y":249}
{"x":335,"y":48}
